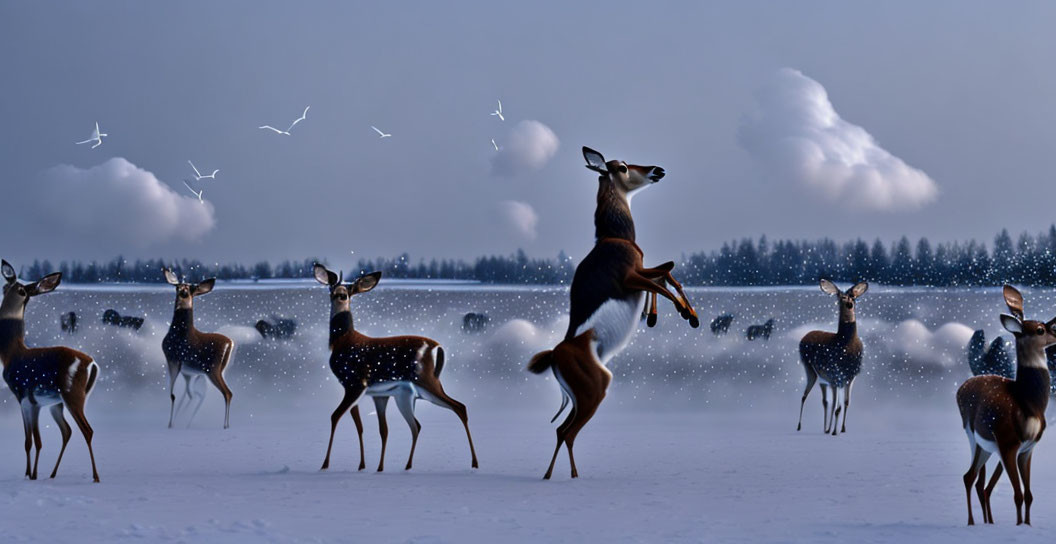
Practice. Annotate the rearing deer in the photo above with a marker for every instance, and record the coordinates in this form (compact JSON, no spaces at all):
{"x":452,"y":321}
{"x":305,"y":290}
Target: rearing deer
{"x":406,"y":368}
{"x":1005,"y":416}
{"x":833,"y":358}
{"x":609,"y":291}
{"x":39,"y":377}
{"x":192,"y":353}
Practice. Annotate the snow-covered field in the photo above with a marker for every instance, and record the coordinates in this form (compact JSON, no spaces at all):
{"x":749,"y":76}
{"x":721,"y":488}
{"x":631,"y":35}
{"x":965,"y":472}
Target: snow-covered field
{"x":696,"y":441}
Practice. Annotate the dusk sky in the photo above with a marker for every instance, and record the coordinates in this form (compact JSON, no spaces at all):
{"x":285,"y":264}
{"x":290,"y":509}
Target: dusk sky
{"x":794,"y":120}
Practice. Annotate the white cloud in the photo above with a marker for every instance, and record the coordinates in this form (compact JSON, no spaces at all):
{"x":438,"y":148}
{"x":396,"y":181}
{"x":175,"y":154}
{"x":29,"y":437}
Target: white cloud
{"x":796,"y":135}
{"x":529,"y":146}
{"x":520,"y":217}
{"x":113,"y":206}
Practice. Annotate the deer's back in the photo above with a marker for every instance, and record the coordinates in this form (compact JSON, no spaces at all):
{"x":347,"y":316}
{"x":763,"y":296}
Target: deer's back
{"x":360,"y":359}
{"x":45,"y":371}
{"x":835,"y":360}
{"x":199,"y":351}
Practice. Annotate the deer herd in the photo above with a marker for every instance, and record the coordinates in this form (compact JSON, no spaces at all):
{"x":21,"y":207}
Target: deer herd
{"x":611,"y":291}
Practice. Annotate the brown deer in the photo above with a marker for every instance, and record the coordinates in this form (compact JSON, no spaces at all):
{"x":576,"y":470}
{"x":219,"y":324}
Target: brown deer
{"x":194,"y":354}
{"x":609,"y":291}
{"x":1006,"y":416}
{"x":39,"y":377}
{"x":406,"y":368}
{"x":833,"y":358}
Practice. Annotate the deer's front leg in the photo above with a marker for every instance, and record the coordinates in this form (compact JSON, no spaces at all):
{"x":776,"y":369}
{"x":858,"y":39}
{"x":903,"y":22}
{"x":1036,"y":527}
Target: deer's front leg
{"x":661,"y":274}
{"x":637,"y":282}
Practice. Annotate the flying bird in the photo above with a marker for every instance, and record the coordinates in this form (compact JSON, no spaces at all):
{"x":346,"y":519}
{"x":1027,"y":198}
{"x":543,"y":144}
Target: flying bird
{"x":97,"y":137}
{"x":498,"y":112}
{"x":293,"y":124}
{"x":495,"y":145}
{"x":380,"y":133}
{"x":196,"y":193}
{"x":198,"y":175}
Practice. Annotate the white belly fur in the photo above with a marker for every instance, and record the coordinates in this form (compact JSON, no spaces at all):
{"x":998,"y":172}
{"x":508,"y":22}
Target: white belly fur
{"x":387,"y":389}
{"x":614,"y":322}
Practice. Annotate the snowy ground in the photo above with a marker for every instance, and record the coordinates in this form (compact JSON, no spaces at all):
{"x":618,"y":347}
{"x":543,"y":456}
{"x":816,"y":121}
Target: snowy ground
{"x":696,"y":441}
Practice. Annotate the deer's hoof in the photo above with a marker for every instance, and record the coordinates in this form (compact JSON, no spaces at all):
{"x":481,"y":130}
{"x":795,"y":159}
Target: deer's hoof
{"x":694,"y":321}
{"x":651,"y":320}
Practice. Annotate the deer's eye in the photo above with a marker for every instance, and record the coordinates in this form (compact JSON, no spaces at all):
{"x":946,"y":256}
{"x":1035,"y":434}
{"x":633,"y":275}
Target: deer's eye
{"x":21,"y":292}
{"x":1041,"y":331}
{"x":623,"y":168}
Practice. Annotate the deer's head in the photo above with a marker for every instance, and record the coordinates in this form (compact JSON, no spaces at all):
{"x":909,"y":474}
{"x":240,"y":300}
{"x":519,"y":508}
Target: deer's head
{"x":1031,"y":335}
{"x":17,"y":294}
{"x":625,"y":179}
{"x":185,"y":292}
{"x":846,"y":299}
{"x":341,"y":293}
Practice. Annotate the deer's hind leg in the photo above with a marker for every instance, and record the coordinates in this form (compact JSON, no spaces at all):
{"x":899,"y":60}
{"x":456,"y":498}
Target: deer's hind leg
{"x":75,"y":403}
{"x":433,"y":391}
{"x":64,"y":428}
{"x":979,"y":457}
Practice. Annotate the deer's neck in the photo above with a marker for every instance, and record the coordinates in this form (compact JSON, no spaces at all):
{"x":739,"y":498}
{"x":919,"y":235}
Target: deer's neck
{"x":12,"y":338}
{"x":847,"y":330}
{"x":612,"y":219}
{"x":340,"y":325}
{"x":182,"y":321}
{"x":1032,"y":385}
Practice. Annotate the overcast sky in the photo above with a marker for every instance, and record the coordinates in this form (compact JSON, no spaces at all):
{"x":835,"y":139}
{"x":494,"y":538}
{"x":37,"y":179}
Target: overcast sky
{"x":787,"y":119}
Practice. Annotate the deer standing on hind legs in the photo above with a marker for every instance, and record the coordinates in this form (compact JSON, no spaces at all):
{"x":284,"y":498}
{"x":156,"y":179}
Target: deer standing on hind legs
{"x":609,"y":291}
{"x":834,"y":359}
{"x":39,"y":377}
{"x":1005,"y":416}
{"x":192,"y":353}
{"x":406,"y":368}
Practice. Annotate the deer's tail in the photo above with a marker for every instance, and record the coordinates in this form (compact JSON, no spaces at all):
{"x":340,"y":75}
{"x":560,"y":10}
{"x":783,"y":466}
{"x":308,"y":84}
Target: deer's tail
{"x":541,"y":361}
{"x":439,"y":362}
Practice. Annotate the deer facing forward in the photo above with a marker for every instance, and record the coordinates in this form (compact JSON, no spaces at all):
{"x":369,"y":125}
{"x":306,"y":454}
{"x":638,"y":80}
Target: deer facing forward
{"x":1007,"y":416}
{"x":193,"y":354}
{"x":406,"y":368}
{"x":833,"y":358}
{"x":43,"y":377}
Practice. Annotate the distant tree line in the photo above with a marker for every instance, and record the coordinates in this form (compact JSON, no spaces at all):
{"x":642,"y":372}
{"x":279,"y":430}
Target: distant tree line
{"x":1028,"y":260}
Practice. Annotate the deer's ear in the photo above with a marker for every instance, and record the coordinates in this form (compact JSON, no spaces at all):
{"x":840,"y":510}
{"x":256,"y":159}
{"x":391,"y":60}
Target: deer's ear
{"x":1012,"y":324}
{"x":1014,"y":300}
{"x":323,"y":276}
{"x":46,"y":284}
{"x":204,"y":287}
{"x":367,"y":282}
{"x":859,"y":289}
{"x":170,"y":276}
{"x":595,"y":160}
{"x":828,"y":287}
{"x":8,"y":271}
